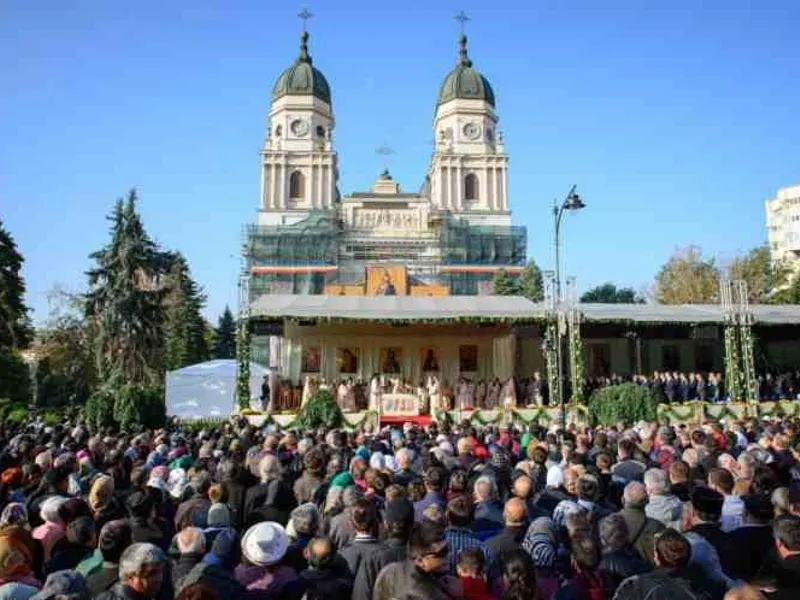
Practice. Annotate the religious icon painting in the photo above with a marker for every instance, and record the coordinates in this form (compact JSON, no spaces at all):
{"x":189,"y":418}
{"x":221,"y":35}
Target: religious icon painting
{"x":468,"y":359}
{"x":347,"y":360}
{"x":390,"y":360}
{"x":311,"y":360}
{"x":429,"y":359}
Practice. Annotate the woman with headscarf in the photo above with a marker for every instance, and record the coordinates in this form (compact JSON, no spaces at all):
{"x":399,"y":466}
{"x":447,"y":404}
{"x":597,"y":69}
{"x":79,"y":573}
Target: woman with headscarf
{"x":541,"y":544}
{"x":55,"y":483}
{"x":104,"y":505}
{"x":16,"y":558}
{"x":14,"y":514}
{"x":53,"y":529}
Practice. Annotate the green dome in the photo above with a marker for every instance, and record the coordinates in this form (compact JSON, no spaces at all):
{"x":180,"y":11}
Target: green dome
{"x":302,"y":78}
{"x":465,"y":82}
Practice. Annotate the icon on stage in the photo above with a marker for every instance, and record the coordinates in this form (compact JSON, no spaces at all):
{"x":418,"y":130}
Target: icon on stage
{"x":430,"y":360}
{"x":347,"y":360}
{"x":311,"y":360}
{"x":390,"y":360}
{"x":468,"y":359}
{"x":386,"y":288}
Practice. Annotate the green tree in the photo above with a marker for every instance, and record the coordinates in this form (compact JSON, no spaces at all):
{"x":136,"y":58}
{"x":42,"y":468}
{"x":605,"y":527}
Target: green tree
{"x":125,"y":300}
{"x":608,"y":293}
{"x":15,"y":327}
{"x":184,"y":327}
{"x":763,"y":277}
{"x":65,"y":371}
{"x":505,"y":284}
{"x":530,"y":282}
{"x":688,"y":278}
{"x":225,"y":336}
{"x":789,"y":294}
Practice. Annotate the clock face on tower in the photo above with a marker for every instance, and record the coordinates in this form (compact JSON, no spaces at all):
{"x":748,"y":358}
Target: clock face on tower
{"x":299,"y":127}
{"x":472,"y":130}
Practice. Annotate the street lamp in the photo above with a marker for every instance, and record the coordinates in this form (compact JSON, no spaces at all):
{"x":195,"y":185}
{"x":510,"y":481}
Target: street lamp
{"x":571,"y":203}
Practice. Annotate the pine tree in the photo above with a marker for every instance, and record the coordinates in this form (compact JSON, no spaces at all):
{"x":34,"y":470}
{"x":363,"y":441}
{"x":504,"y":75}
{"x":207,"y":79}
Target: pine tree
{"x":184,"y":328}
{"x":505,"y":284}
{"x":530,"y":282}
{"x":15,"y":327}
{"x":125,"y":300}
{"x":225,"y":336}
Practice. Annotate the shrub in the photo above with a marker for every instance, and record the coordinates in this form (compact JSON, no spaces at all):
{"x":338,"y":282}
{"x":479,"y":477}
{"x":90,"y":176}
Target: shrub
{"x":321,"y":411}
{"x":624,"y":403}
{"x":18,"y":415}
{"x":99,"y":411}
{"x":138,"y":405}
{"x":15,"y":381}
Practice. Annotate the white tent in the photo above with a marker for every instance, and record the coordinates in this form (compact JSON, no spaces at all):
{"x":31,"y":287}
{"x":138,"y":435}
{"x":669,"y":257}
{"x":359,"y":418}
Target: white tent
{"x":209,"y":389}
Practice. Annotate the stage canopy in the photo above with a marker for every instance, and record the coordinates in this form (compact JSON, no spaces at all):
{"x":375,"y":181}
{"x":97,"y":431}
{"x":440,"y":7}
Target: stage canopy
{"x":396,"y":308}
{"x":509,"y":309}
{"x":208,"y":389}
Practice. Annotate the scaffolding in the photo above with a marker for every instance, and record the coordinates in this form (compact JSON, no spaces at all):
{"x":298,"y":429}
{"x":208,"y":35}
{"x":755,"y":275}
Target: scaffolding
{"x":293,"y":258}
{"x":304,"y":257}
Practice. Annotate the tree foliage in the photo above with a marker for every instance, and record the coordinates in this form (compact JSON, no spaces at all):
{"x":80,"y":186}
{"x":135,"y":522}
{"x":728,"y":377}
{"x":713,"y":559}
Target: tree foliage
{"x":15,"y":327}
{"x":125,"y":300}
{"x":321,"y":411}
{"x":184,"y":328}
{"x":528,"y":284}
{"x":65,"y":373}
{"x":762,"y":276}
{"x":224,"y":345}
{"x":688,"y":278}
{"x":531,"y":284}
{"x":608,"y":293}
{"x":625,"y":403}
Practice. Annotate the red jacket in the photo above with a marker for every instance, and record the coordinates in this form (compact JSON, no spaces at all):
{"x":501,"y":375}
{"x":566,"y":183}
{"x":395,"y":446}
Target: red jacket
{"x":475,"y":588}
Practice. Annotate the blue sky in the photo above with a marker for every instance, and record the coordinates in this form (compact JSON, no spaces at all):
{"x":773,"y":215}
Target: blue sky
{"x":676,"y":119}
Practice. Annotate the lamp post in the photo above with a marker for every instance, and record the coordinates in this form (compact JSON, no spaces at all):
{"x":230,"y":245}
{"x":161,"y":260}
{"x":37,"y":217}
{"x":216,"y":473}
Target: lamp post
{"x":571,"y":203}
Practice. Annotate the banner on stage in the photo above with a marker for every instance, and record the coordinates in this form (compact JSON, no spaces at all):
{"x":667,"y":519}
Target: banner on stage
{"x":400,"y":404}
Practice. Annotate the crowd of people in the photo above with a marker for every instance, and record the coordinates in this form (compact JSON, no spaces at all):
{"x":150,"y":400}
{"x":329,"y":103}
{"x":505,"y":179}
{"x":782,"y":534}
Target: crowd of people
{"x":449,"y":512}
{"x":676,"y":386}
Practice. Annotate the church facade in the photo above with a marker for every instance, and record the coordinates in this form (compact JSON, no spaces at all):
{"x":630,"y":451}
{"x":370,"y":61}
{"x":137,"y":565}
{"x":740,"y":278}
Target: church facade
{"x":449,"y":237}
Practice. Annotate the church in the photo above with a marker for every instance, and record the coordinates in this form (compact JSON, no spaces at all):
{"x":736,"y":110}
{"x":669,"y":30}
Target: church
{"x":447,"y":238}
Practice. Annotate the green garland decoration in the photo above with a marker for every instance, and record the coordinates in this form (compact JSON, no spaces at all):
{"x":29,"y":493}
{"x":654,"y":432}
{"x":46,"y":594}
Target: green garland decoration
{"x":551,"y":362}
{"x":674,"y":413}
{"x":718,"y":411}
{"x":243,"y":363}
{"x":538,"y":415}
{"x":576,"y":367}
{"x":732,"y":363}
{"x":477,"y":415}
{"x":748,"y":363}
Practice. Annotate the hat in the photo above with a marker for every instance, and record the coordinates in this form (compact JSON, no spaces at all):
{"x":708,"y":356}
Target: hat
{"x":707,"y":501}
{"x":265,"y":544}
{"x":67,"y":585}
{"x":342,"y":480}
{"x":399,"y":510}
{"x":219,"y":515}
{"x":17,"y":591}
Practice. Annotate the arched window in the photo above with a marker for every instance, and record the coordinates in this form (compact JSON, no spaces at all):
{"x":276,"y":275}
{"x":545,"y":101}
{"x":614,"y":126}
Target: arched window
{"x":471,"y":187}
{"x":297,"y":185}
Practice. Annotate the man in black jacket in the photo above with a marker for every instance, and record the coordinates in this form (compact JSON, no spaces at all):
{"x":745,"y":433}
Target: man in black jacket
{"x":399,"y":519}
{"x":753,"y":541}
{"x":326,"y":577}
{"x":509,"y":540}
{"x":365,"y":523}
{"x":787,"y":542}
{"x":672,"y":552}
{"x":619,"y":560}
{"x":114,"y":538}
